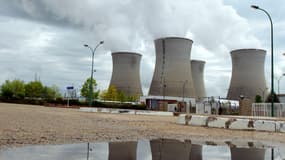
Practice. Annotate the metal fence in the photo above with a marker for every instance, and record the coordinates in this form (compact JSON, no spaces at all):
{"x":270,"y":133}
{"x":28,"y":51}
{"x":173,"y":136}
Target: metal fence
{"x":264,"y":109}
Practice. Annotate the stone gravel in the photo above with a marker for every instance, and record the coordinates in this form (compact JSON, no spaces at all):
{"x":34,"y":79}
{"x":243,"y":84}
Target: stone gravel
{"x":22,"y":125}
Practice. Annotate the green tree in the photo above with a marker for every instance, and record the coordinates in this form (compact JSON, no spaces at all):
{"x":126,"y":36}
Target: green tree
{"x":113,"y":94}
{"x":34,"y":89}
{"x":269,"y":98}
{"x":56,"y":91}
{"x":103,"y":95}
{"x":51,"y":92}
{"x":86,"y":89}
{"x":258,"y":99}
{"x":13,"y":89}
{"x":133,"y":98}
{"x":121,"y":96}
{"x":110,"y":94}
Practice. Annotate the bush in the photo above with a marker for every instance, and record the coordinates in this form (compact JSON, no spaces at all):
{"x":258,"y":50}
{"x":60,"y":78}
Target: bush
{"x":121,"y":106}
{"x":258,"y":99}
{"x":74,"y":102}
{"x":24,"y":101}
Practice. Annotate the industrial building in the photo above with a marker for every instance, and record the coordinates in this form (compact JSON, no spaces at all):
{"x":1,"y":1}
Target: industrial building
{"x":126,"y":73}
{"x":168,"y":103}
{"x":248,"y":78}
{"x":171,"y":78}
{"x":197,"y":67}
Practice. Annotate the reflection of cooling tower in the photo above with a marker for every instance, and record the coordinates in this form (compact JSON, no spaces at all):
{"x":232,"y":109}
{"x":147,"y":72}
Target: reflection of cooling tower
{"x":247,"y":73}
{"x":196,"y":152}
{"x":126,"y":73}
{"x":198,"y":77}
{"x":171,"y":76}
{"x":168,"y":149}
{"x":122,"y":150}
{"x":247,"y":154}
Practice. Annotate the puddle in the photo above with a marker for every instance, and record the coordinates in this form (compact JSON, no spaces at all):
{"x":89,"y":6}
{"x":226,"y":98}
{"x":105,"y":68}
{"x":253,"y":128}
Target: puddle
{"x":157,"y":149}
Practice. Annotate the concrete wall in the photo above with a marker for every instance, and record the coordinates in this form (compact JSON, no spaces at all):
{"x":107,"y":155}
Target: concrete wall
{"x":125,"y":111}
{"x":171,"y":76}
{"x":247,"y":74}
{"x":126,"y":73}
{"x":233,"y":122}
{"x":198,"y":77}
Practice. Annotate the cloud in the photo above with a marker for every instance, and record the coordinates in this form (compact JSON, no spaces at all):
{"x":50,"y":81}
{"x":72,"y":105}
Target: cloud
{"x":54,"y":32}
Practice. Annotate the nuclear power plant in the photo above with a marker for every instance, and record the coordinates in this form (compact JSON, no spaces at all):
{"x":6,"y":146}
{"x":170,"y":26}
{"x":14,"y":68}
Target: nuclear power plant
{"x":126,"y":73}
{"x":197,"y":67}
{"x":171,"y":76}
{"x":248,"y":78}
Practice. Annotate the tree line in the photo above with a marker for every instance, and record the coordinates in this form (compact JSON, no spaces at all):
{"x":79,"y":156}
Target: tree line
{"x":18,"y":89}
{"x":110,"y":94}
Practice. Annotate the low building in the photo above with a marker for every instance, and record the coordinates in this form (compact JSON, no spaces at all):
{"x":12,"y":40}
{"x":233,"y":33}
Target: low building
{"x":168,"y":103}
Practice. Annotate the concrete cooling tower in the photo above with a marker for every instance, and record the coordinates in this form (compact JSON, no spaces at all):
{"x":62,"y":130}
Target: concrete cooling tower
{"x":247,"y":73}
{"x":247,"y":153}
{"x":196,"y":152}
{"x":122,"y":150}
{"x":126,"y":73}
{"x":198,"y":77}
{"x":171,"y":76}
{"x":169,"y":149}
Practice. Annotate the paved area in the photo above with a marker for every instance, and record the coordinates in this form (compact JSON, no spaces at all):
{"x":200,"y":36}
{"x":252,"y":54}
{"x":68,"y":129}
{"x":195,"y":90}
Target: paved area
{"x":27,"y":125}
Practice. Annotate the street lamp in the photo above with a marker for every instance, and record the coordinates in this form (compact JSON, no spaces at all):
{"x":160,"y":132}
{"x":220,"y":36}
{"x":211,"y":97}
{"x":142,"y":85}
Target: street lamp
{"x":91,"y":79}
{"x":183,"y":91}
{"x":279,"y":82}
{"x":272,"y":63}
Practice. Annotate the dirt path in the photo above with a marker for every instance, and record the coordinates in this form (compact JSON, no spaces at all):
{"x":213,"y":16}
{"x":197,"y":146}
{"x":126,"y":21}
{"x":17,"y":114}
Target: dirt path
{"x":27,"y":124}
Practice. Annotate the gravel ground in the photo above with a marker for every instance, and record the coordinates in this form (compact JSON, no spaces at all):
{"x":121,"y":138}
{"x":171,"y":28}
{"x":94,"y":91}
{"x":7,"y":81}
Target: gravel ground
{"x":27,"y":125}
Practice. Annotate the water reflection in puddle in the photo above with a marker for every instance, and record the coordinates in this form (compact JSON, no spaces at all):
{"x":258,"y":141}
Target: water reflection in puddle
{"x":157,"y":149}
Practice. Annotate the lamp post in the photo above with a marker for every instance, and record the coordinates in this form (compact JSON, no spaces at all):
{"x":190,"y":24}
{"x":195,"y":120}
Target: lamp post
{"x":272,"y":62}
{"x":183,"y":91}
{"x":279,"y":82}
{"x":91,"y":78}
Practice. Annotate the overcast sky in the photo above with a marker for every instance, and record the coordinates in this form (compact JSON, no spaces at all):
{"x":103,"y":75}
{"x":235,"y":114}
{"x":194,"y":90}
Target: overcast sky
{"x":46,"y":37}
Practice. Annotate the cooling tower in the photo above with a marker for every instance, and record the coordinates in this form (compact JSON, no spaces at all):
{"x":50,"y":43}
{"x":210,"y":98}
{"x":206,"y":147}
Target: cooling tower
{"x":247,"y":73}
{"x":126,"y":73}
{"x":196,"y":152}
{"x":198,"y":77}
{"x":171,"y":76}
{"x":169,"y":149}
{"x":122,"y":150}
{"x":247,"y":153}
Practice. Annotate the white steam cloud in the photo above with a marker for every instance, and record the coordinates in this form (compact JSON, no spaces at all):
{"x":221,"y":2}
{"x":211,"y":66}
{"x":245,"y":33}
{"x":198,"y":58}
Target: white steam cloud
{"x":132,"y":25}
